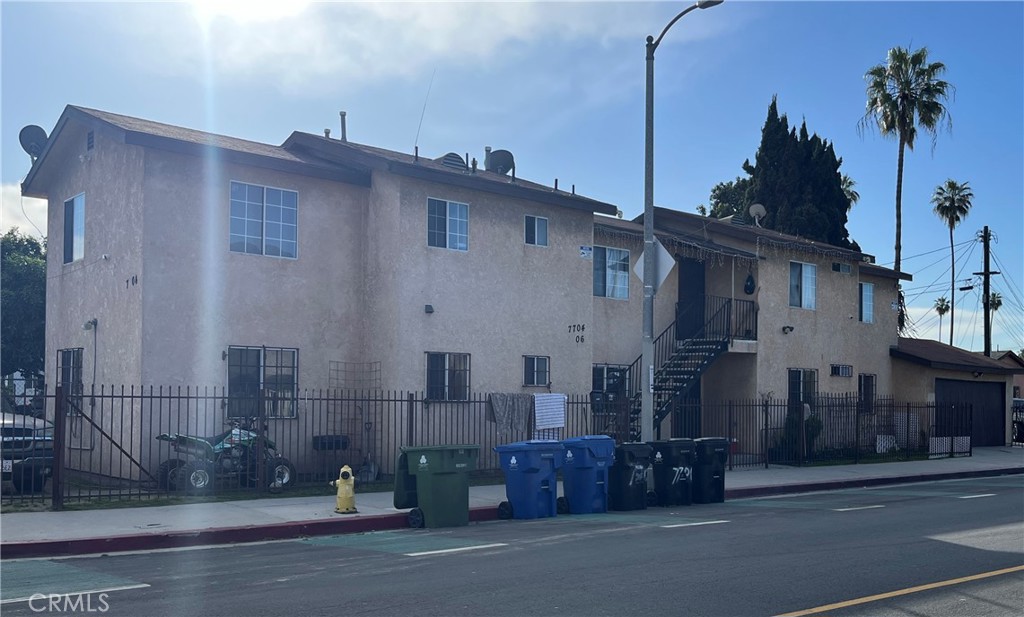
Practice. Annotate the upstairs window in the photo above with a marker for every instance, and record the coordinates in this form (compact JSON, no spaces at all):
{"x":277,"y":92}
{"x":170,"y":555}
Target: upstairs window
{"x":536,"y":371}
{"x":447,"y":224}
{"x":803,"y":385}
{"x":536,"y":231}
{"x":264,"y":220}
{"x":611,"y":273}
{"x":867,"y":301}
{"x":802,"y":284}
{"x":74,"y":228}
{"x":447,"y":376}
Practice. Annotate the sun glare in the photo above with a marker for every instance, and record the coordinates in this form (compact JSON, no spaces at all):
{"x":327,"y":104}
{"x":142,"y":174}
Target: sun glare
{"x":208,"y":11}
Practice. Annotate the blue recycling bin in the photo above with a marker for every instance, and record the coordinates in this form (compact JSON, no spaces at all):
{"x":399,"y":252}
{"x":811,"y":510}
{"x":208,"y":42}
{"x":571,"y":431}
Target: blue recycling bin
{"x":585,"y":474}
{"x":531,"y":480}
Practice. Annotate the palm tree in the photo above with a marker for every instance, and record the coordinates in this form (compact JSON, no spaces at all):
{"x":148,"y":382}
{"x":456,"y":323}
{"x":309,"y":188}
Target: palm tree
{"x":941,"y":307}
{"x":904,"y":93}
{"x":995,"y":302}
{"x":851,"y":193}
{"x":952,"y":202}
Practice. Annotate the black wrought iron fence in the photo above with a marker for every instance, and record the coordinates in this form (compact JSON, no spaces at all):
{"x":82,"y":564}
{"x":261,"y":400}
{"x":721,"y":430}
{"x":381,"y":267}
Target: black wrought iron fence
{"x":137,"y":443}
{"x":831,"y":429}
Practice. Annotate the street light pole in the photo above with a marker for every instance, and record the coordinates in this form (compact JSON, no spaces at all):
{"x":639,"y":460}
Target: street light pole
{"x":647,"y":358}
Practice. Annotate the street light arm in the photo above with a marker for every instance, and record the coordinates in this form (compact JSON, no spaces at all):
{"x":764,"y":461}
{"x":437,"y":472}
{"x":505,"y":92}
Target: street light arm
{"x":652,"y":46}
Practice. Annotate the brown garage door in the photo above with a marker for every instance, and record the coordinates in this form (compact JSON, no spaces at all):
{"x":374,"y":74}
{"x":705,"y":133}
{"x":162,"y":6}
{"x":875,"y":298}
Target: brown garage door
{"x":989,"y":403}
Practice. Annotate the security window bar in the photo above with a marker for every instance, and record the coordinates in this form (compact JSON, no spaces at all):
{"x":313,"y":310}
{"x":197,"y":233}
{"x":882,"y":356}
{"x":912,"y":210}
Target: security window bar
{"x":867,"y":301}
{"x":536,"y":231}
{"x":802,"y":284}
{"x":69,"y":375}
{"x":266,"y":374}
{"x":803,"y":385}
{"x":447,"y":224}
{"x":841,"y":370}
{"x":447,"y":376}
{"x":866,"y":392}
{"x":611,"y":273}
{"x":536,"y":371}
{"x":74,"y":228}
{"x":264,"y":220}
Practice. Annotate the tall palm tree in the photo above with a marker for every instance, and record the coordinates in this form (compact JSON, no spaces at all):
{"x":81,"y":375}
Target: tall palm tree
{"x":941,"y":307}
{"x":995,"y":302}
{"x":952,"y":202}
{"x":904,"y":93}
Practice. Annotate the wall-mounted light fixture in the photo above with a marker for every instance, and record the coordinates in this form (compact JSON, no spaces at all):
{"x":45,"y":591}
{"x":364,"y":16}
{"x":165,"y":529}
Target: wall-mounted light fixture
{"x":787,"y":329}
{"x":977,"y":374}
{"x":90,"y":325}
{"x":428,"y":309}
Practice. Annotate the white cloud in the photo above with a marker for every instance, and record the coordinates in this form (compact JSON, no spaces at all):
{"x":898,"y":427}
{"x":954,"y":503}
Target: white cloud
{"x":332,"y":45}
{"x":28,"y":214}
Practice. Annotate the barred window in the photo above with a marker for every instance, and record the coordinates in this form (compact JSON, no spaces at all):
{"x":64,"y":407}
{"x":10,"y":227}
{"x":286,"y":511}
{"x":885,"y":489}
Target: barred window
{"x":447,"y":376}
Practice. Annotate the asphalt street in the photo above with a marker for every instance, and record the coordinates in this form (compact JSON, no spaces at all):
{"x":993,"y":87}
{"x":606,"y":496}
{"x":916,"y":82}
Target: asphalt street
{"x":939,"y":548}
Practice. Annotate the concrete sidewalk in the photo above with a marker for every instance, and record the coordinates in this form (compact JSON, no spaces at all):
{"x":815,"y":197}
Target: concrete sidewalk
{"x":48,"y":534}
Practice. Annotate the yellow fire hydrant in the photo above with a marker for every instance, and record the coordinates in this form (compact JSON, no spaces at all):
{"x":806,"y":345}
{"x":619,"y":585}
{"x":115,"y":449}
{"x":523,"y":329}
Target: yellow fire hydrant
{"x":345,"y":484}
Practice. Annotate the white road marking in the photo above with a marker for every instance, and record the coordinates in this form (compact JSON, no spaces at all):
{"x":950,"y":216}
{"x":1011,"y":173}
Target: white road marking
{"x":454,"y":550}
{"x":856,"y":508}
{"x":40,"y":596}
{"x":693,"y":524}
{"x":976,"y":496}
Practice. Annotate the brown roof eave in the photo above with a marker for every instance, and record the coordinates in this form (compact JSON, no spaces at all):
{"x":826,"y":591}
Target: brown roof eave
{"x":509,"y":189}
{"x":899,"y":354}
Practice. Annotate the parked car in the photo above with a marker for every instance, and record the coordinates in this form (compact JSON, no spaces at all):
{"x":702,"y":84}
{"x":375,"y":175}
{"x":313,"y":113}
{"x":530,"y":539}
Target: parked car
{"x":26,"y":451}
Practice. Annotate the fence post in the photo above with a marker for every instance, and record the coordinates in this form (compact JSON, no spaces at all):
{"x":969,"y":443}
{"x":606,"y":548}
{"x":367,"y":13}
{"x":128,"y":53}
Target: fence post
{"x":856,"y":429}
{"x":764,"y":433}
{"x":729,"y":434}
{"x":261,"y":436}
{"x":410,"y":425}
{"x":57,"y":481}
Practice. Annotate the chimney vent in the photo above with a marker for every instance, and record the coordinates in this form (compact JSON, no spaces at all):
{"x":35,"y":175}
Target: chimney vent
{"x":344,"y":133}
{"x":327,"y":133}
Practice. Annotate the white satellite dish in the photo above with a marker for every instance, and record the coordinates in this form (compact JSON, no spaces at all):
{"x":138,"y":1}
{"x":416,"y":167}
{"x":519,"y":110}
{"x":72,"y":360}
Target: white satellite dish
{"x":757,"y":212}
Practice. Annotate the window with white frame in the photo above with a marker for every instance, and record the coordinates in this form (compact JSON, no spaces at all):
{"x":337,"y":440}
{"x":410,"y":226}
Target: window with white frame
{"x":264,"y":220}
{"x":611,"y":273}
{"x":803,"y":385}
{"x":536,"y":230}
{"x":262,"y":374}
{"x":867,"y":302}
{"x":610,"y":378}
{"x":841,"y":370}
{"x":536,"y":370}
{"x":74,"y":228}
{"x":447,"y":224}
{"x":802,"y":284}
{"x":447,"y":376}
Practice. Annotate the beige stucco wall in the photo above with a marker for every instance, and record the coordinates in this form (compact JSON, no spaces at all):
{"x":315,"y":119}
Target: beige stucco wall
{"x":110,"y":176}
{"x":498,"y":301}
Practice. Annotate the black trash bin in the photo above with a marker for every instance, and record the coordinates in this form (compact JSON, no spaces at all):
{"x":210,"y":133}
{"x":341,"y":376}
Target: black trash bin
{"x":709,"y":472}
{"x":627,"y":478}
{"x":672,"y":467}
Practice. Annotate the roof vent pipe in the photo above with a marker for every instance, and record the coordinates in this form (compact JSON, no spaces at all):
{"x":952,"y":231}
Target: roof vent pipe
{"x":416,"y":156}
{"x":344,"y":133}
{"x":487,"y":158}
{"x":556,"y":184}
{"x":327,"y":133}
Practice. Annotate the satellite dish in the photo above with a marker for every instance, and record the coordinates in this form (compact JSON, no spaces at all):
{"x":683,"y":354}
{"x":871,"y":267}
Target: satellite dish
{"x":757,"y":212}
{"x":33,"y":140}
{"x":501,"y":162}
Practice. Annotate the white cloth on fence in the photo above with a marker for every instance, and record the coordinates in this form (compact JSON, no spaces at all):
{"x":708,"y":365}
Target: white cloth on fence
{"x":549,"y":411}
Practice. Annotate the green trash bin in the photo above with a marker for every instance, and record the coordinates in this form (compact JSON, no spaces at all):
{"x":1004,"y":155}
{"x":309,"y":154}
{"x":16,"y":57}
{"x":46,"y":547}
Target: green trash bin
{"x":434,"y":482}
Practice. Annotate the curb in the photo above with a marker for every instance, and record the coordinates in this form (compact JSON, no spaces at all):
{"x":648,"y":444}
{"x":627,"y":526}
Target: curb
{"x":388,"y":522}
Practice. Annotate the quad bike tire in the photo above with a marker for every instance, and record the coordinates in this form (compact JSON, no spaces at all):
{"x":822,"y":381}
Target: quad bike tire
{"x":167,"y":474}
{"x":194,"y":479}
{"x":280,"y":474}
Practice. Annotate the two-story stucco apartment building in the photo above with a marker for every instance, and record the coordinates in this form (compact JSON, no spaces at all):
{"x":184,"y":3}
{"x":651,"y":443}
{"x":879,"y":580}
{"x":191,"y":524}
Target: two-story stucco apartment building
{"x":199,"y":259}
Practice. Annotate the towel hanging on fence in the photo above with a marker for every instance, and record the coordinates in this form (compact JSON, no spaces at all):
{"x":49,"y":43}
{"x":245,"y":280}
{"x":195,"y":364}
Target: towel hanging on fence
{"x":510,"y":411}
{"x":549,"y":411}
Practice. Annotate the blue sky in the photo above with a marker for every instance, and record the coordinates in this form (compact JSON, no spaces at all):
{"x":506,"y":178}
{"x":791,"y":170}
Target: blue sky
{"x":561,"y":86}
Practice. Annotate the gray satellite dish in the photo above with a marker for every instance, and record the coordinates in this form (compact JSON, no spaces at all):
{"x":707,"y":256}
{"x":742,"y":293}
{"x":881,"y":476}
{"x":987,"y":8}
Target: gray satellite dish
{"x":757,"y":212}
{"x":501,"y":162}
{"x":33,"y":140}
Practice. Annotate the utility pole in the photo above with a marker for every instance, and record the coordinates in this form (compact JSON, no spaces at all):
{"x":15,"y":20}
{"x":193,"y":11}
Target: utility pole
{"x":986,"y":275}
